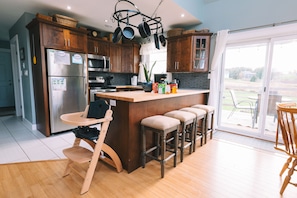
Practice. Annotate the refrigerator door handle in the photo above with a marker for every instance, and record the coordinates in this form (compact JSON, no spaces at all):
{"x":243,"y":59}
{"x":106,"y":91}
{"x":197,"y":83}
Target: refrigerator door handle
{"x":86,"y":85}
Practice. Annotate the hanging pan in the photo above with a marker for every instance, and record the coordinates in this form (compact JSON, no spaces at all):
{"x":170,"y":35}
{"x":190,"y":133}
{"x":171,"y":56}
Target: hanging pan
{"x":162,"y":39}
{"x":156,"y":38}
{"x":144,"y":29}
{"x":128,"y":31}
{"x":117,"y":35}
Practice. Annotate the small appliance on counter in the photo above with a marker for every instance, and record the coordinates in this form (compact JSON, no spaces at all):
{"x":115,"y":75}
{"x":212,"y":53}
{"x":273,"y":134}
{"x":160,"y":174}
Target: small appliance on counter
{"x":160,"y":78}
{"x":134,"y":81}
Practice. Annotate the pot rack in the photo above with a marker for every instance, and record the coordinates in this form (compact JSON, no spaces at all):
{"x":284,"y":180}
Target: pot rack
{"x":124,"y":15}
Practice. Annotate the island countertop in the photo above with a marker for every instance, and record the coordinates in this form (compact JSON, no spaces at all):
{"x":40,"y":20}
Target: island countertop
{"x":130,"y":107}
{"x":141,"y":96}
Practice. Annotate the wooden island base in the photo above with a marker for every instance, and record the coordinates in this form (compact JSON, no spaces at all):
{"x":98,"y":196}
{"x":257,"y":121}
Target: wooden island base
{"x":124,"y":131}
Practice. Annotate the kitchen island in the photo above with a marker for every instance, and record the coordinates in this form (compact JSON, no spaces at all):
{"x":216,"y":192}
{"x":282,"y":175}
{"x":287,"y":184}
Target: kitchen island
{"x":130,"y":107}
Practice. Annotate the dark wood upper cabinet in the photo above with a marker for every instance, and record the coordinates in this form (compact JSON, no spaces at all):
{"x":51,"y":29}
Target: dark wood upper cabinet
{"x":98,"y":46}
{"x":188,"y":53}
{"x":130,"y":58}
{"x":63,"y":38}
{"x":115,"y":57}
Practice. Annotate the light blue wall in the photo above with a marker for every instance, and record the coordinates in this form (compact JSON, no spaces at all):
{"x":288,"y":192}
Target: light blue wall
{"x":240,"y":14}
{"x":4,"y":45}
{"x":19,"y":28}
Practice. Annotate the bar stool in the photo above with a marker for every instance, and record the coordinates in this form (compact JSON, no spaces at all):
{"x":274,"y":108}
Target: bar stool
{"x":161,"y":126}
{"x":209,"y":119}
{"x":187,"y":130}
{"x":200,"y":124}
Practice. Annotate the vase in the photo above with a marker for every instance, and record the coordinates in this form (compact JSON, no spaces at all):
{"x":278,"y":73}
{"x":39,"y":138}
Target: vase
{"x":147,"y":87}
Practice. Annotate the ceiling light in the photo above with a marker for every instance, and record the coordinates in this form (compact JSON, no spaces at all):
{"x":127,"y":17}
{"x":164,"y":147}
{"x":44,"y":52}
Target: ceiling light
{"x":68,"y":7}
{"x":182,"y":15}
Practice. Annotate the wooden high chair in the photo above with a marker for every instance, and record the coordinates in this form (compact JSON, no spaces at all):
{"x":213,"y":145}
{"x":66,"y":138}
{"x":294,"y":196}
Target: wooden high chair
{"x":287,"y":129}
{"x":78,"y":154}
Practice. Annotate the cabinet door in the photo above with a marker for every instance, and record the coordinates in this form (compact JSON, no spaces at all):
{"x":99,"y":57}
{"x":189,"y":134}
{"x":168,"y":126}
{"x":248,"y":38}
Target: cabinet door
{"x":92,"y":46}
{"x":103,"y":48}
{"x":75,"y":41}
{"x":185,"y":54}
{"x":130,"y":58}
{"x":53,"y":37}
{"x":201,"y":46}
{"x":171,"y":55}
{"x":115,"y":57}
{"x":127,"y":58}
{"x":178,"y":52}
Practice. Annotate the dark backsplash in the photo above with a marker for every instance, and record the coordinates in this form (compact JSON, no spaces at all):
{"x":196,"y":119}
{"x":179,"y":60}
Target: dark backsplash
{"x":192,"y":80}
{"x":187,"y":80}
{"x":118,"y":78}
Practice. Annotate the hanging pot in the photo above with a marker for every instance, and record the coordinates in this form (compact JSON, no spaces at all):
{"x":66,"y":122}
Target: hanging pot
{"x":162,"y":39}
{"x":144,"y":29}
{"x":117,"y":35}
{"x":156,"y":38}
{"x":128,"y":31}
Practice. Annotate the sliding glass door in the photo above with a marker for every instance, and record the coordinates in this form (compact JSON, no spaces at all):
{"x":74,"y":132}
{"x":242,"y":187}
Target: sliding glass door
{"x":256,"y":76}
{"x":281,"y":81}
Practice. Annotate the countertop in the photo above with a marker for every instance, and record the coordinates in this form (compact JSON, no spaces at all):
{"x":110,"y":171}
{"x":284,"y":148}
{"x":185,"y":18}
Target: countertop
{"x":141,"y":96}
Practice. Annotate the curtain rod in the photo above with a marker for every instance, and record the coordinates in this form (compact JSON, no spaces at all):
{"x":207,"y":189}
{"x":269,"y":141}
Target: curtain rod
{"x":261,"y":26}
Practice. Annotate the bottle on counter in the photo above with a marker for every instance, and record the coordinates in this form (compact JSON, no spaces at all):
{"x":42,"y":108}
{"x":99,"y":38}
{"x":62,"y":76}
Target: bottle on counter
{"x":161,"y":88}
{"x":173,"y":87}
{"x":155,"y":87}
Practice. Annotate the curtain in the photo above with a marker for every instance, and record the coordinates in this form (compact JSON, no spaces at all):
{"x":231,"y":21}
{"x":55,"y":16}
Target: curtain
{"x":221,"y":40}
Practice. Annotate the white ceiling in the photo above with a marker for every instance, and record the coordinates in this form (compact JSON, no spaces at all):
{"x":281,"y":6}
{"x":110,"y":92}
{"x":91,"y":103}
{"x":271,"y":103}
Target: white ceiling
{"x":93,"y":13}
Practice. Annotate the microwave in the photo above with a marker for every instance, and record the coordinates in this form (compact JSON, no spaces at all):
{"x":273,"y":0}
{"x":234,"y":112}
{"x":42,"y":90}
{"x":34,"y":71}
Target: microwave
{"x":98,"y":63}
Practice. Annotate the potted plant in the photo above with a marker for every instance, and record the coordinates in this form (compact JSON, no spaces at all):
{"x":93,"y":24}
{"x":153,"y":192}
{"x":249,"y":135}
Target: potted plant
{"x":147,"y":86}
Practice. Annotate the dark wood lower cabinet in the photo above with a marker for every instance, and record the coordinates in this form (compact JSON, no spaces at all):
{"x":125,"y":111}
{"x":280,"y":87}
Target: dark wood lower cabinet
{"x":124,"y":130}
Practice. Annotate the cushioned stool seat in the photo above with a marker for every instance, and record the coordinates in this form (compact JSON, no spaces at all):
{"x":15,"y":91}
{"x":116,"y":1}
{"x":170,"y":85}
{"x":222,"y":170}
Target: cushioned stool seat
{"x":187,"y":130}
{"x":200,"y":124}
{"x":161,"y":126}
{"x":209,"y":119}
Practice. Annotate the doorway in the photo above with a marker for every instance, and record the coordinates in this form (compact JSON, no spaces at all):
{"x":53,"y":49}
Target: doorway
{"x":17,"y":76}
{"x":258,"y":75}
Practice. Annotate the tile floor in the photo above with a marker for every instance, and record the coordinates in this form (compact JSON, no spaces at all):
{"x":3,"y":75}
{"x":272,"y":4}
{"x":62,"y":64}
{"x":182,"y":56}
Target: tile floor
{"x":18,"y":143}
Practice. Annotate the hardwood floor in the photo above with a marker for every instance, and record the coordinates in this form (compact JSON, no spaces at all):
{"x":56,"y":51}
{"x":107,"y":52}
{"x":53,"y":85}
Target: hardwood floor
{"x":219,"y":169}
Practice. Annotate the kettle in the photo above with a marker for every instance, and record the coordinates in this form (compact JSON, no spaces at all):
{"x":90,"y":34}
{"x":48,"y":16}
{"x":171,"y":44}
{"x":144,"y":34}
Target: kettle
{"x":134,"y":80}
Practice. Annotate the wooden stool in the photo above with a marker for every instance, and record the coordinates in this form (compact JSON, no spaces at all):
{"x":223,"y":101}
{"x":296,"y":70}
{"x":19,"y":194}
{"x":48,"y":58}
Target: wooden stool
{"x":161,"y":126}
{"x":200,"y":124}
{"x":187,"y":130}
{"x":210,"y":110}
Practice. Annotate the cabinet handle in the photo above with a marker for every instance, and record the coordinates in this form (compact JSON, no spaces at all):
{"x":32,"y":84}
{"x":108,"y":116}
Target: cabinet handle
{"x":65,"y":42}
{"x":68,"y":42}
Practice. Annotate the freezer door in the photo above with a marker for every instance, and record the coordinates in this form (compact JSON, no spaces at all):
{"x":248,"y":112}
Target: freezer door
{"x":66,"y":95}
{"x":63,"y":63}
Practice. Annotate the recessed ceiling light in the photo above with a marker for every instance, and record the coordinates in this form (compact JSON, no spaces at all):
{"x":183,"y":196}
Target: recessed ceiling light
{"x":68,"y":7}
{"x":105,"y":20}
{"x":182,"y":15}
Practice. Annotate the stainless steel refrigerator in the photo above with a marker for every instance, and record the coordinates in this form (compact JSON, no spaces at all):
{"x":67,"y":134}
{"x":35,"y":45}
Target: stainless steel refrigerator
{"x":67,"y":81}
